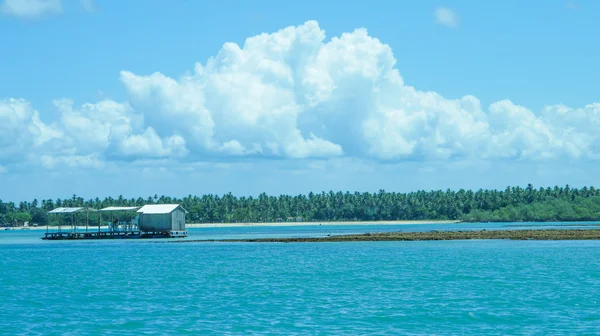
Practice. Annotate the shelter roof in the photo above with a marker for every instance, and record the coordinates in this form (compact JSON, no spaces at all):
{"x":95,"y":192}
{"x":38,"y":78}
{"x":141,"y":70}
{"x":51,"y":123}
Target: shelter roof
{"x":70,"y":210}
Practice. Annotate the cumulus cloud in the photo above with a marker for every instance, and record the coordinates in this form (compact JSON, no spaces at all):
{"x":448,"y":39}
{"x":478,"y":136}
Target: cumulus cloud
{"x":446,"y":17}
{"x":293,"y":94}
{"x":115,"y":128}
{"x":244,"y":101}
{"x":83,"y":136}
{"x":21,"y":130}
{"x":149,"y":144}
{"x":30,"y":8}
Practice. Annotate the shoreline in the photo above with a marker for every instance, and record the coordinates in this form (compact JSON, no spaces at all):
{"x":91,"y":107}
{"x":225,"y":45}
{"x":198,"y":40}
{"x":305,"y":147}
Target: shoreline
{"x":326,"y":223}
{"x":547,"y":234}
{"x":65,"y":228}
{"x":253,"y":224}
{"x":285,"y":224}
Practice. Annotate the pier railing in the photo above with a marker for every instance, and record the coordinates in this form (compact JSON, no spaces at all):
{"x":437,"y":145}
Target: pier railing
{"x":62,"y":235}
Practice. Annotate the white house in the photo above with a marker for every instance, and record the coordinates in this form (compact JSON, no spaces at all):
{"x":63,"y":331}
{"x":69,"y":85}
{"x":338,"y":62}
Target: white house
{"x":161,"y":218}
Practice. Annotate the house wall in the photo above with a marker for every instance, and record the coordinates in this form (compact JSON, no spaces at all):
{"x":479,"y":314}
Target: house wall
{"x":174,"y":221}
{"x":155,"y":222}
{"x":178,"y":220}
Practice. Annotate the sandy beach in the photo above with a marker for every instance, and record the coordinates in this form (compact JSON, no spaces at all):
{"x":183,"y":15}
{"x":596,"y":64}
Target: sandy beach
{"x":408,"y":222}
{"x":274,"y":224}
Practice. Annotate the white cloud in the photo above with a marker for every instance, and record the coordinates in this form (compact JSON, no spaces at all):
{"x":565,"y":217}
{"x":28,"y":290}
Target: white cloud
{"x":242,"y":101}
{"x":21,"y":130}
{"x":71,"y":161}
{"x":572,"y":5}
{"x":114,"y":128}
{"x":83,"y":136}
{"x":292,"y":94}
{"x":88,"y":5}
{"x":149,"y":144}
{"x":446,"y":17}
{"x":30,"y":8}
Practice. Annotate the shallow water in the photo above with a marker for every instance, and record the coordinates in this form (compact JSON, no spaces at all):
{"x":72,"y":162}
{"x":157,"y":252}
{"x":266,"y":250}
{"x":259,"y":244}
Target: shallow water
{"x":402,"y":288}
{"x":17,"y":236}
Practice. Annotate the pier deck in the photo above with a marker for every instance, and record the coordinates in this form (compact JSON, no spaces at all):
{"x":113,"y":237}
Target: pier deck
{"x":112,"y":235}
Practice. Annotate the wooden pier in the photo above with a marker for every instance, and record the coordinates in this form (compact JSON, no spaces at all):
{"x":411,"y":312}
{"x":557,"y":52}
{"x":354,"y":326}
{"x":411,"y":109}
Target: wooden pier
{"x":113,"y":235}
{"x":159,"y":221}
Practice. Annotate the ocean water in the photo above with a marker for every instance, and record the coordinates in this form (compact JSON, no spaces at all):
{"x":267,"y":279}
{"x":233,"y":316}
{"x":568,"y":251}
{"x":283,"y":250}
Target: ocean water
{"x":359,"y":288}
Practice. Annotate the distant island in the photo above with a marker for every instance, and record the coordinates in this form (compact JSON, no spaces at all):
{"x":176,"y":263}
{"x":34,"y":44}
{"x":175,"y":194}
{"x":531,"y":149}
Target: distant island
{"x":508,"y":205}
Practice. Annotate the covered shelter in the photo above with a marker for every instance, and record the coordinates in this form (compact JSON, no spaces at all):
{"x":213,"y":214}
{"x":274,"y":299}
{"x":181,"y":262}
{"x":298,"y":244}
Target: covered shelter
{"x":153,"y":221}
{"x":70,"y":212}
{"x":161,"y":218}
{"x":115,"y":222}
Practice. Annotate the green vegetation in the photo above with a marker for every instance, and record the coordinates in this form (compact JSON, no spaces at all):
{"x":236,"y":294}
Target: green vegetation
{"x":511,"y":204}
{"x":591,"y":234}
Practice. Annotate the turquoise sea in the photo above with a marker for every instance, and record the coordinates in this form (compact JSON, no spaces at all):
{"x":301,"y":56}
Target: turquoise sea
{"x":145,"y":287}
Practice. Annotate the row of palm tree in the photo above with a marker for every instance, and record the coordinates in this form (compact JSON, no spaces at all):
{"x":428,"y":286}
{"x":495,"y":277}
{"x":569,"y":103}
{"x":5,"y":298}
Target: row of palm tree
{"x":334,"y":206}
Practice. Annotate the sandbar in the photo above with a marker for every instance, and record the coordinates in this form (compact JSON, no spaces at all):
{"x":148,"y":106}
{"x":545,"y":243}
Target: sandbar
{"x":544,"y":234}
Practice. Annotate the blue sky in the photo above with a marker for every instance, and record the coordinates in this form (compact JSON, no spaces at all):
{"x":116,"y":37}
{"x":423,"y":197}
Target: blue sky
{"x":104,"y":98}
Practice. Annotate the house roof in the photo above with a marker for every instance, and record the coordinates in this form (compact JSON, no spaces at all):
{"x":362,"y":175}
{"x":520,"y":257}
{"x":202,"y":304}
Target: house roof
{"x":159,"y":208}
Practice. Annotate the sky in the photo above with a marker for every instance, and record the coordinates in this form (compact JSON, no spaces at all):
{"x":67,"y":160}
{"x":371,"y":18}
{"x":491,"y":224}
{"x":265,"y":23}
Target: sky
{"x":107,"y":97}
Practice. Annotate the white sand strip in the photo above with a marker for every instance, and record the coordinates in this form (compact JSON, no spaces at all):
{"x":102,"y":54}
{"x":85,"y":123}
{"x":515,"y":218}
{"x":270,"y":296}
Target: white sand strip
{"x":214,"y":225}
{"x":274,"y":224}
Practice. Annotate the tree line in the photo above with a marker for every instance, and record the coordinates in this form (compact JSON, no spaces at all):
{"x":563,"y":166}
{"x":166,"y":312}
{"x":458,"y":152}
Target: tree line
{"x":510,"y":204}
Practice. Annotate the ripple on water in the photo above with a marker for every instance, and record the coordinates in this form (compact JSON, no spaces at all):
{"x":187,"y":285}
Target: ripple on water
{"x":417,"y":288}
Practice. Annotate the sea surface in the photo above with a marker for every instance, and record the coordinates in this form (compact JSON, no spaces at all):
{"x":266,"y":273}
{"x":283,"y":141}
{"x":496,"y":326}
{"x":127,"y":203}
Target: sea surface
{"x":150,"y":287}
